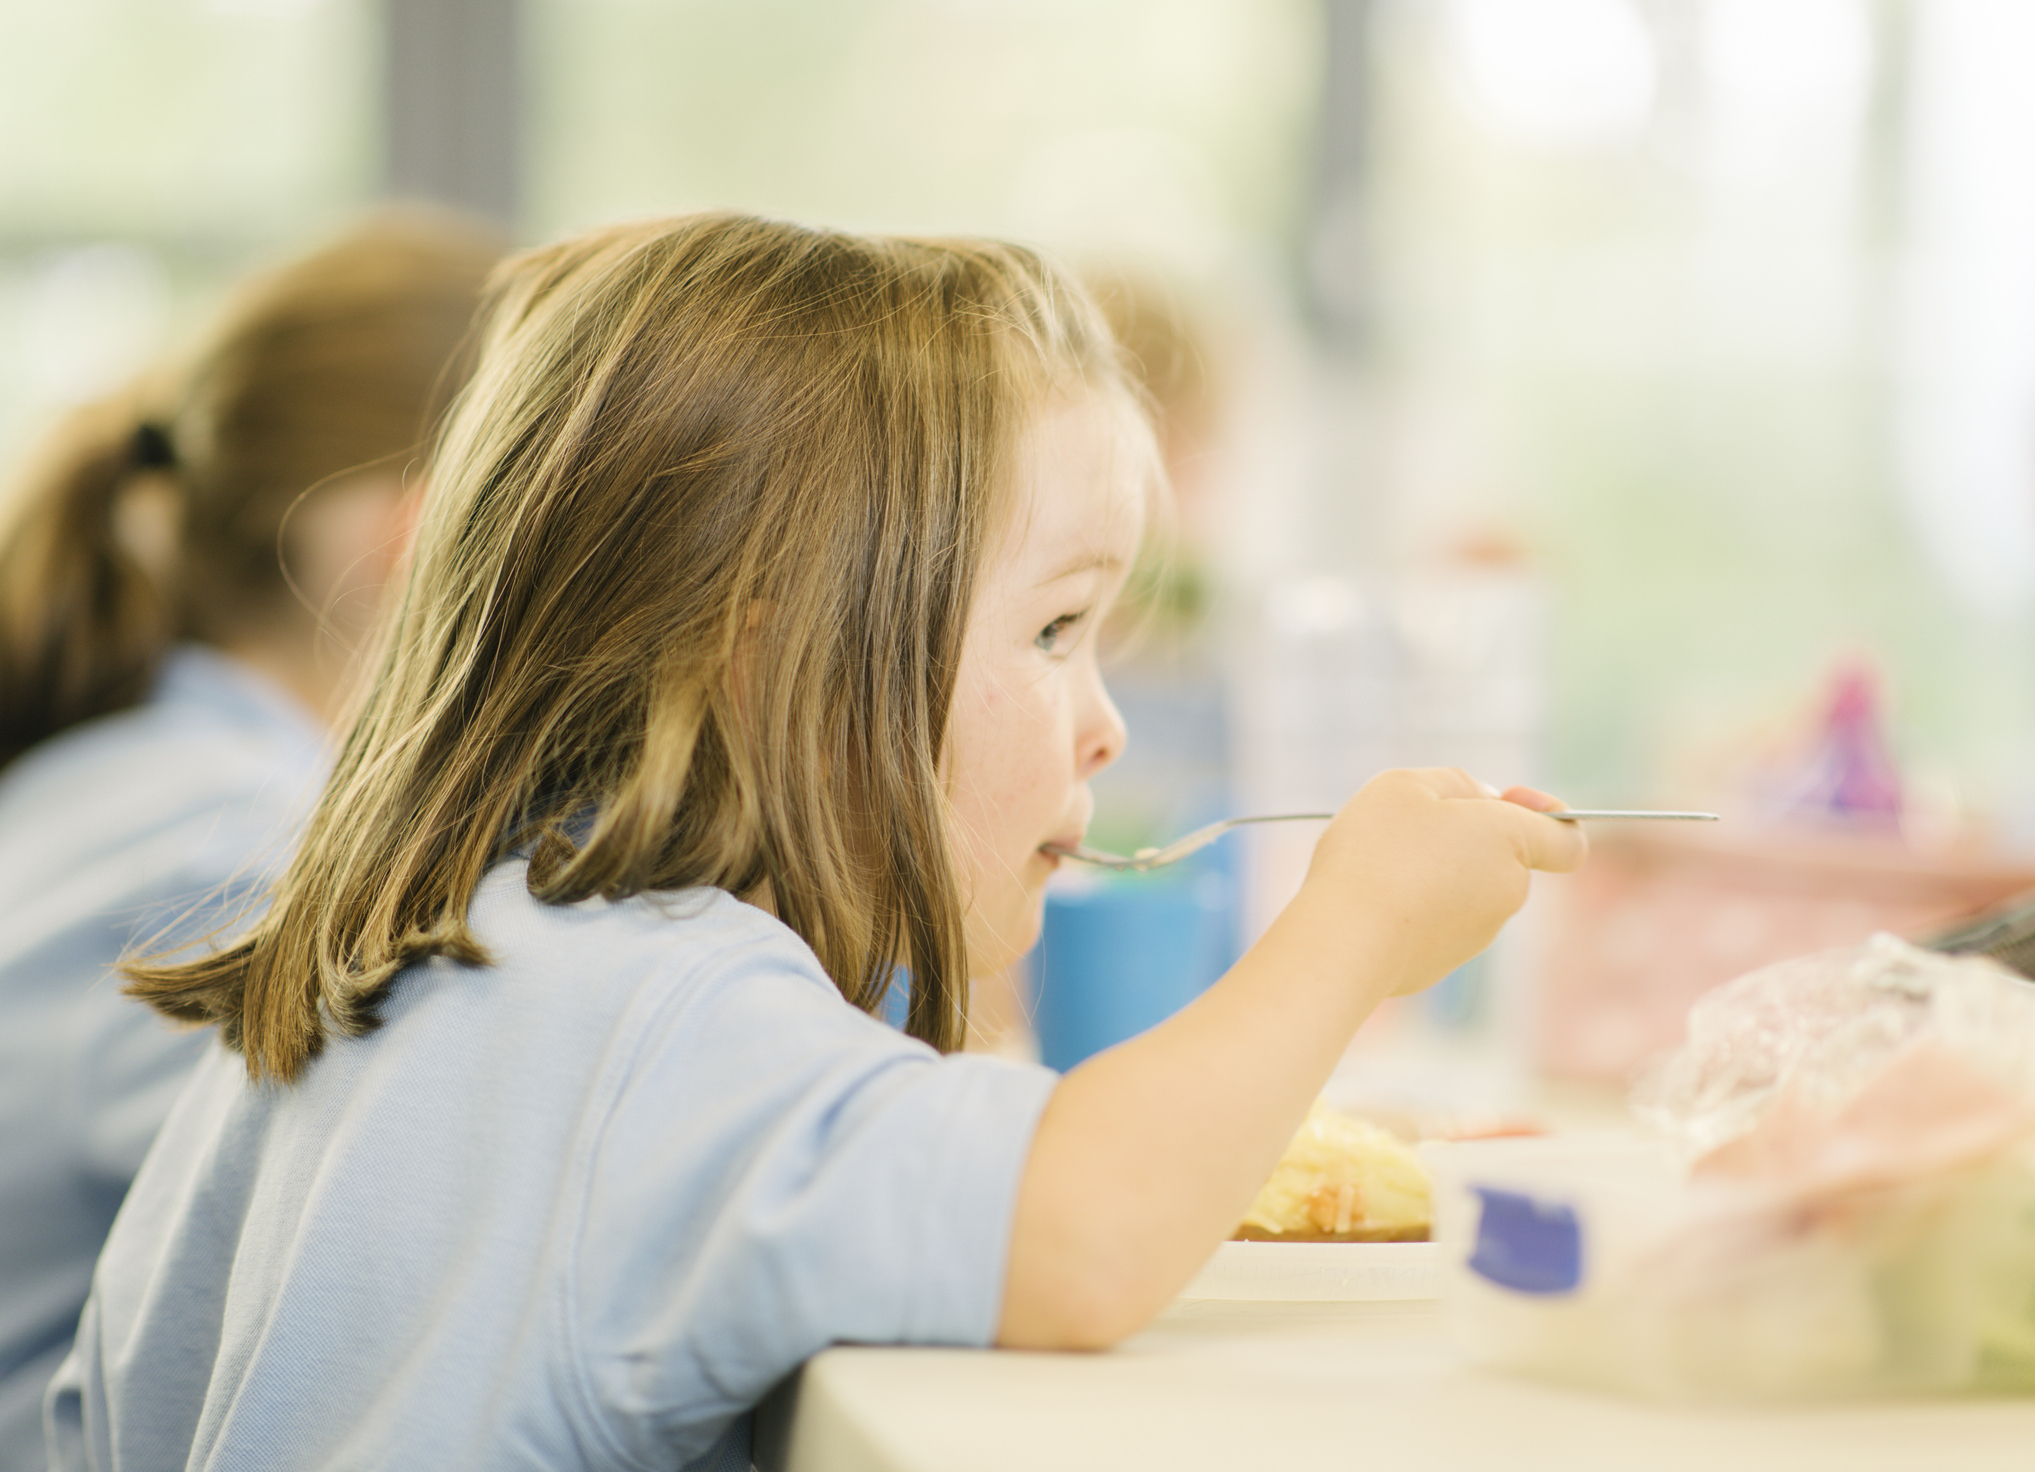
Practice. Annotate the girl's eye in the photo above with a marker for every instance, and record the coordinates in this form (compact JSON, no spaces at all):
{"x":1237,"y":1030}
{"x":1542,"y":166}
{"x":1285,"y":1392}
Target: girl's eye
{"x":1049,"y":636}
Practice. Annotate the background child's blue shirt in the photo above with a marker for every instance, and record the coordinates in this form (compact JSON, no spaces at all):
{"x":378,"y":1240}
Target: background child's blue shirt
{"x":579,"y":1208}
{"x":150,"y":827}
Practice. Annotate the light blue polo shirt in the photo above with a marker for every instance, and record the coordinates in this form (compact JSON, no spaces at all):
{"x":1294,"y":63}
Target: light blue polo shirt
{"x":109,"y":835}
{"x":580,"y":1208}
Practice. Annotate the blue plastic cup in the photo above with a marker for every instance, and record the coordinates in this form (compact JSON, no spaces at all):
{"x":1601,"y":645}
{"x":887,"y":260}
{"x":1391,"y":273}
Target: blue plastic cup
{"x":1123,"y":954}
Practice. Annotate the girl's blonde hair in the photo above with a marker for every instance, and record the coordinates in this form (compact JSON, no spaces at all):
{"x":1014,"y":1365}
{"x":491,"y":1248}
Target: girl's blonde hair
{"x":686,"y":608}
{"x":157,"y":514}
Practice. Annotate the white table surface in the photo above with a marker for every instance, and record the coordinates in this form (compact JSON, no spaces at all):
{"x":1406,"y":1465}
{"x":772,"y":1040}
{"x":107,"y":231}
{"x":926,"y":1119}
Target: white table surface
{"x":1306,"y":1387}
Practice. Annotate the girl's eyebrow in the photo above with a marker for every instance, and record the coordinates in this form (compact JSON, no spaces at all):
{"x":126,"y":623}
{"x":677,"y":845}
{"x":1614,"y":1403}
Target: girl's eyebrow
{"x":1082,"y":562}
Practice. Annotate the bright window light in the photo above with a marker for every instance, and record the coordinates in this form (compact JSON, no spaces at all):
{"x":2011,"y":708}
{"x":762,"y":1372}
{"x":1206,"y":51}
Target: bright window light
{"x":1787,"y":82}
{"x":1557,"y":71}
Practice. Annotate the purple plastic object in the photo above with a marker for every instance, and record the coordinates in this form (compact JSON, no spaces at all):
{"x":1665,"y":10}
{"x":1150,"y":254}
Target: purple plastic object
{"x":1851,"y":776}
{"x":1527,"y":1244}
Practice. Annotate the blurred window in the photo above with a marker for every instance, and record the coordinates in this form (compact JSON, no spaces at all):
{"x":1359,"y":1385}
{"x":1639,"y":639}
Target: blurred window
{"x":1178,"y":127}
{"x":1725,"y":310}
{"x":153,"y":149}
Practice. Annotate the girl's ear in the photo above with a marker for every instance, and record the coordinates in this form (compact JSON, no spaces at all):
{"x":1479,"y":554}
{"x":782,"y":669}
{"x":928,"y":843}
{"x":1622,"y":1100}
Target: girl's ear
{"x":399,"y":530}
{"x":343,"y":544}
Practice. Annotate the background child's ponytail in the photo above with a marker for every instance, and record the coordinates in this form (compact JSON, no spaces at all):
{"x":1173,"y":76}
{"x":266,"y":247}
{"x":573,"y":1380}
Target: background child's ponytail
{"x":147,"y":519}
{"x":87,"y":549}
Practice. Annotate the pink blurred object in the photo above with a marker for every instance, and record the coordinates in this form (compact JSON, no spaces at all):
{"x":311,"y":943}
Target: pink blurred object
{"x":1660,"y":916}
{"x":1850,"y":777}
{"x":1928,"y":1113}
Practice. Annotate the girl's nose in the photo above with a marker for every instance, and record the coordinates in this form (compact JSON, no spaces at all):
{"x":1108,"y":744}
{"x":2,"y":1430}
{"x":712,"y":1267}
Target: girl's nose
{"x":1101,"y":735}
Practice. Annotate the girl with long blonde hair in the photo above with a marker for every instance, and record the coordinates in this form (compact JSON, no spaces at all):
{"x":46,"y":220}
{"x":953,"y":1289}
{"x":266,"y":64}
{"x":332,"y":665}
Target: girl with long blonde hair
{"x":183,"y":570}
{"x":746,"y":659}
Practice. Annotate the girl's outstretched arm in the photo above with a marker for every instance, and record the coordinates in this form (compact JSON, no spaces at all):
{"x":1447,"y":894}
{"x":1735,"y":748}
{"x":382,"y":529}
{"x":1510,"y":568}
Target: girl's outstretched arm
{"x":1149,"y":1154}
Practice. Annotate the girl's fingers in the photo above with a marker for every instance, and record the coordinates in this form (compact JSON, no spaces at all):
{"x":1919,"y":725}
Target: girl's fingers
{"x":1552,"y":847}
{"x":1533,"y":797}
{"x":1451,"y":782}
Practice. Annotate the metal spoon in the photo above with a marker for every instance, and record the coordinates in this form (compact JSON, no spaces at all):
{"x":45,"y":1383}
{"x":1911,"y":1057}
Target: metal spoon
{"x":1570,"y":815}
{"x":1179,"y":848}
{"x":1200,"y":838}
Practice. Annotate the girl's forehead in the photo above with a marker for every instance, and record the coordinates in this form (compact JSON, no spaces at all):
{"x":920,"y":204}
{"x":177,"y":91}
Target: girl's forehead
{"x":1080,"y":490}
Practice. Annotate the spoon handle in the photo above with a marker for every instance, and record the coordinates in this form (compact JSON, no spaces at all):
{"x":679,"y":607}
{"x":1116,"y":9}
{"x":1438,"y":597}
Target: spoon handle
{"x":1571,"y":815}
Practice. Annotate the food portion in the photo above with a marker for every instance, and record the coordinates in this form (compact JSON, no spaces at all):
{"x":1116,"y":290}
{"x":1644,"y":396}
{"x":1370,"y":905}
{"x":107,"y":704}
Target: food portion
{"x":1342,"y":1180}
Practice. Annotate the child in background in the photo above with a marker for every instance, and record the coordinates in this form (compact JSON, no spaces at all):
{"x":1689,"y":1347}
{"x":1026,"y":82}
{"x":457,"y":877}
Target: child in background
{"x":747,"y":654}
{"x":162,"y":700}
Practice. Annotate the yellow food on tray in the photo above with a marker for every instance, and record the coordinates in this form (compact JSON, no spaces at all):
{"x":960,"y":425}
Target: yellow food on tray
{"x":1342,"y":1180}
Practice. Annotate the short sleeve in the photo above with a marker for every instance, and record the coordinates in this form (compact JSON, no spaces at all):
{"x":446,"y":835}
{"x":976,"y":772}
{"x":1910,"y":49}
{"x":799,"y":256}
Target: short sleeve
{"x":780,"y":1172}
